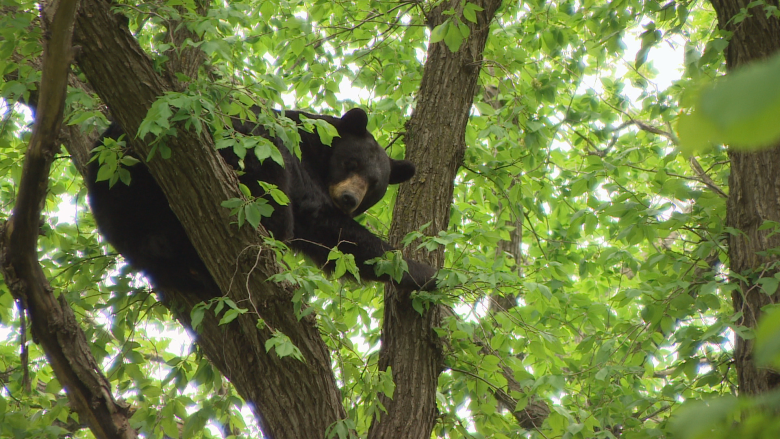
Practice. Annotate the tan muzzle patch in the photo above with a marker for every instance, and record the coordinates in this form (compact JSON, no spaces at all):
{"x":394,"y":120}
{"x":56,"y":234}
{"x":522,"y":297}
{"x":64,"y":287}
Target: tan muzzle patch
{"x":348,"y":194}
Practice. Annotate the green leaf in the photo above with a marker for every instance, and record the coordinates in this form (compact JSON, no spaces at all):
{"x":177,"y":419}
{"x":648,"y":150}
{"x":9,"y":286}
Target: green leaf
{"x":229,"y":316}
{"x":699,"y":417}
{"x":267,"y":9}
{"x":279,"y":197}
{"x":262,"y":206}
{"x":325,"y":131}
{"x":232,"y":203}
{"x":470,"y":10}
{"x":768,"y":285}
{"x":767,"y":351}
{"x":297,"y":45}
{"x":245,"y":190}
{"x":392,"y":264}
{"x":129,"y":160}
{"x":106,"y":171}
{"x":194,"y":425}
{"x":739,"y":110}
{"x":440,"y":31}
{"x":453,"y":39}
{"x":283,"y":346}
{"x":156,"y":120}
{"x":241,"y":217}
{"x":649,"y":39}
{"x":124,"y":176}
{"x":253,"y":215}
{"x":695,"y":132}
{"x":196,"y":316}
{"x":165,"y":151}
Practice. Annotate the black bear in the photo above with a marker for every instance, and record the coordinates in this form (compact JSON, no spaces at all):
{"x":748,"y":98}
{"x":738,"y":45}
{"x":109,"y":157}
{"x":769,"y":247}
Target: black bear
{"x":327,"y":187}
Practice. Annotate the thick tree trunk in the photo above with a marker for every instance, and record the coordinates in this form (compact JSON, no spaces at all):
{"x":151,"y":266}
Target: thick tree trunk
{"x":291,"y":398}
{"x":435,"y":142}
{"x":754,"y":186}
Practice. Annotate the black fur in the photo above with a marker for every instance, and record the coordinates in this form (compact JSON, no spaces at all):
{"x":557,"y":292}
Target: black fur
{"x":139,"y":223}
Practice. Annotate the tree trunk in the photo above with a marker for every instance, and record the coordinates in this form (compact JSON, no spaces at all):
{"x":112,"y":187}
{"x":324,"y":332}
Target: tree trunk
{"x":435,"y":143}
{"x":754,"y":186}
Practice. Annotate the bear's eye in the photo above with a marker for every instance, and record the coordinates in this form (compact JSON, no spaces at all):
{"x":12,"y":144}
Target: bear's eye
{"x":351,"y":165}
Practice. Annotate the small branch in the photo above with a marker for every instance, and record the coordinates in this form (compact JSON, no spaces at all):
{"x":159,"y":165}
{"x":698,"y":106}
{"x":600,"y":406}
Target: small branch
{"x":651,"y":129}
{"x":705,"y":178}
{"x":395,"y":139}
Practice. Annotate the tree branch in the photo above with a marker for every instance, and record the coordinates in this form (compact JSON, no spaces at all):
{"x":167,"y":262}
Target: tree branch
{"x":699,"y":171}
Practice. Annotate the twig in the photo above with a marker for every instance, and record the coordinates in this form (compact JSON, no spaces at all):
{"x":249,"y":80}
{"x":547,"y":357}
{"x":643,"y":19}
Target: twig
{"x":699,"y":171}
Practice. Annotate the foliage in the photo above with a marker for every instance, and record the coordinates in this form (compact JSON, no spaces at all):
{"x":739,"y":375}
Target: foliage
{"x":739,"y":110}
{"x":726,"y":417}
{"x":623,"y":310}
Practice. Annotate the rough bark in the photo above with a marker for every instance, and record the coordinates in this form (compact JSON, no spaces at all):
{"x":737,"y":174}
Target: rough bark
{"x":290,"y":398}
{"x":435,"y":142}
{"x":53,"y":321}
{"x":754,"y":186}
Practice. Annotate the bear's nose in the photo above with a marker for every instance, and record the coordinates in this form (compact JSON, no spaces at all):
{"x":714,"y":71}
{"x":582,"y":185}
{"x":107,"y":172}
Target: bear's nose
{"x":348,"y":201}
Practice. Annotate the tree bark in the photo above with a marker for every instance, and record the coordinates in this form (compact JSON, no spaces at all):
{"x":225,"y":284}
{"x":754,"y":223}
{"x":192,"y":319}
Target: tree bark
{"x":435,"y":142}
{"x":53,"y":322}
{"x":754,"y":186}
{"x":290,"y":398}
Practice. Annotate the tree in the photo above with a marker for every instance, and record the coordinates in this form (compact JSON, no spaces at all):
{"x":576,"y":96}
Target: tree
{"x":597,"y":319}
{"x":751,"y":203}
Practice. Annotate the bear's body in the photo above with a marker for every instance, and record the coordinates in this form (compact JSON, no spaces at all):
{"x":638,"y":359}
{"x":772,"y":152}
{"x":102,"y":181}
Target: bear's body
{"x":327,"y":187}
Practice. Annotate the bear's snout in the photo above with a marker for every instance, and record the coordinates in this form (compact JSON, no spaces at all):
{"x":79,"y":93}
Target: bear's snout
{"x":347,"y":194}
{"x":348,"y":200}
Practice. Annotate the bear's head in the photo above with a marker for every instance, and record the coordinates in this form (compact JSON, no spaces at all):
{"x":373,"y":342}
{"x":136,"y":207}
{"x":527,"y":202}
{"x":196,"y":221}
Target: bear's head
{"x":360,"y":169}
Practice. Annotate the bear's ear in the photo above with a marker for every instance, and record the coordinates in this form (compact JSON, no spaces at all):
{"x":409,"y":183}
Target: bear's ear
{"x":354,"y":121}
{"x":400,"y":171}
